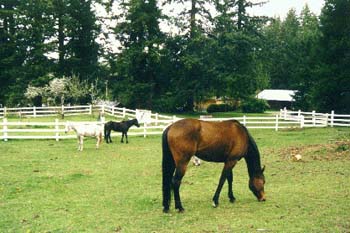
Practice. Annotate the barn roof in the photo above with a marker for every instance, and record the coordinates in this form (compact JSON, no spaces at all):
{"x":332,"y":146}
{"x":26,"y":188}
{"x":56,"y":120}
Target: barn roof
{"x":277,"y":95}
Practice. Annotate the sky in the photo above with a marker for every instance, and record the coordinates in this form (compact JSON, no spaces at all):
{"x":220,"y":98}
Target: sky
{"x":279,"y":8}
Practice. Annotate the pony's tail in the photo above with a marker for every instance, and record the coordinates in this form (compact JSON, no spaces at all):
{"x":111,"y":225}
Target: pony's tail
{"x":168,"y":168}
{"x":105,"y":132}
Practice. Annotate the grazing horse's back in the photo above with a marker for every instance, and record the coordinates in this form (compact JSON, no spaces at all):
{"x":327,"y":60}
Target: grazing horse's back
{"x":210,"y":141}
{"x":226,"y":142}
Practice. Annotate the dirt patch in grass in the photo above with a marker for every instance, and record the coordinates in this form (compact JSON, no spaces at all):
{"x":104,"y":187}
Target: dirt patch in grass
{"x":335,"y":150}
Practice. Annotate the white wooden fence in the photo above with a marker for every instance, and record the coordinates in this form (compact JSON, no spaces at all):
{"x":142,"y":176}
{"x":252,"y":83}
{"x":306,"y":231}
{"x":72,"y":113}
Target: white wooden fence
{"x":154,"y":123}
{"x":313,"y":119}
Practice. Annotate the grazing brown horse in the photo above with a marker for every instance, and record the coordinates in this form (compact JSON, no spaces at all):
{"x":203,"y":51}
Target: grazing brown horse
{"x":223,"y":142}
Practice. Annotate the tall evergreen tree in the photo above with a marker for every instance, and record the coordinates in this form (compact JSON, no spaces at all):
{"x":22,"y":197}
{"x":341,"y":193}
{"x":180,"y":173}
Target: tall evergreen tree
{"x":138,"y":63}
{"x":237,"y":47}
{"x":308,"y":59}
{"x":26,"y":29}
{"x":284,"y":52}
{"x":82,"y":49}
{"x":9,"y":55}
{"x":193,"y":81}
{"x":333,"y":87}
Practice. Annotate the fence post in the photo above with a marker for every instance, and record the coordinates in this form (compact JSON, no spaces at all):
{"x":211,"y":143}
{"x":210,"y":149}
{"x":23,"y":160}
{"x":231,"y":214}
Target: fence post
{"x":244,"y":120}
{"x":144,"y":129}
{"x":301,"y":121}
{"x":113,"y":110}
{"x":276,"y":126}
{"x":5,"y":112}
{"x":4,"y":128}
{"x":332,"y":118}
{"x":62,"y":110}
{"x":174,"y":118}
{"x":103,"y":109}
{"x":285,"y":113}
{"x":124,"y":112}
{"x":313,"y":118}
{"x":327,"y":116}
{"x":34,"y":111}
{"x":90,"y":109}
{"x":299,"y":113}
{"x":157,"y":118}
{"x":57,"y":130}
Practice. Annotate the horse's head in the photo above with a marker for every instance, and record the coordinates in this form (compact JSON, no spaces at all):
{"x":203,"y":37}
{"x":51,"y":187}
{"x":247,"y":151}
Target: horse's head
{"x":136,"y":122}
{"x":256,"y":185}
{"x":68,"y":127}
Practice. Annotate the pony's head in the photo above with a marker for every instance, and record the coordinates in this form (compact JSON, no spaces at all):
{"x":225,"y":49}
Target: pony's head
{"x":256,"y":185}
{"x":68,"y":127}
{"x":136,"y":122}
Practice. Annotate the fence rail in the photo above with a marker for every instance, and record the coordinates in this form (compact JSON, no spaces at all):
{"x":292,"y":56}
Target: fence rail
{"x":153,"y":123}
{"x":314,"y":119}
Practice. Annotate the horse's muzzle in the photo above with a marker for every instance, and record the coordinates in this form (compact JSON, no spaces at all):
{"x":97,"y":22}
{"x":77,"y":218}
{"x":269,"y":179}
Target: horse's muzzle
{"x":262,"y":198}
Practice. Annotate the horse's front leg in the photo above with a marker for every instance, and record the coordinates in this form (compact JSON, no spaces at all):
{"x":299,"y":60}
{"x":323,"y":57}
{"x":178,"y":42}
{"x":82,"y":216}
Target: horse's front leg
{"x":99,"y":140}
{"x":122,"y":140}
{"x":225,"y":174}
{"x":78,"y":138}
{"x":81,"y":143}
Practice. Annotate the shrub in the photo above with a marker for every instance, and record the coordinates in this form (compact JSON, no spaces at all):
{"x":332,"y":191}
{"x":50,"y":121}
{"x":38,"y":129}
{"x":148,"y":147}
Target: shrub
{"x":165,"y":104}
{"x":220,"y":108}
{"x":254,"y":106}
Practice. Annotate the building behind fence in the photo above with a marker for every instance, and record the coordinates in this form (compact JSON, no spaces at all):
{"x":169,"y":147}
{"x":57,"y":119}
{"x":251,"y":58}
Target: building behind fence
{"x":151,"y":123}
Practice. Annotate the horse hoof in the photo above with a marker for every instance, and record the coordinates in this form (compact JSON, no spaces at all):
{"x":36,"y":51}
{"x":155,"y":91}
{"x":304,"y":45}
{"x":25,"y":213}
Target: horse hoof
{"x":166,"y":210}
{"x":232,"y":200}
{"x":180,"y":210}
{"x":215,"y":205}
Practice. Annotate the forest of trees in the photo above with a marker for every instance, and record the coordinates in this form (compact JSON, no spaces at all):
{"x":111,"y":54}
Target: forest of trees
{"x":218,"y":49}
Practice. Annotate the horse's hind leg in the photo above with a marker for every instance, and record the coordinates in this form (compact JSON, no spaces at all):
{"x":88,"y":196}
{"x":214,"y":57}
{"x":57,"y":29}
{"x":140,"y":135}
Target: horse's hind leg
{"x":225,"y":174}
{"x":81,"y":143}
{"x":109,"y":136}
{"x":179,"y":173}
{"x":126,"y":137}
{"x":122,"y":139}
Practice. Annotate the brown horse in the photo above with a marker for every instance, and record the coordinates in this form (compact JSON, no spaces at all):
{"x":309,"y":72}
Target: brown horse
{"x":224,"y":142}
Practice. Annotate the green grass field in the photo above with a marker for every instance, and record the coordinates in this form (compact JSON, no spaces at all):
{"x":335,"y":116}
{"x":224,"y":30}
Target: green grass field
{"x":48,"y":186}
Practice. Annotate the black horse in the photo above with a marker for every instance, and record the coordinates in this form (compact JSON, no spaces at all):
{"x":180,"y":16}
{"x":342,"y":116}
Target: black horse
{"x":122,"y":126}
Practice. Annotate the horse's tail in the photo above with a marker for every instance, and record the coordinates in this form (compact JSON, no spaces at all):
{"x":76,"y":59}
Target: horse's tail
{"x":168,"y":167}
{"x":105,"y":131}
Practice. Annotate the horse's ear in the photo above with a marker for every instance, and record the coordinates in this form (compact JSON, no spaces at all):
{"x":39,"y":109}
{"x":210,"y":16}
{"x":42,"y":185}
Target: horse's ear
{"x":263,"y":169}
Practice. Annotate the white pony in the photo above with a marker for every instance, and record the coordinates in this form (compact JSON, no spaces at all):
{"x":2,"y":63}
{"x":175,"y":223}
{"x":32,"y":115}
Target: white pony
{"x":92,"y":130}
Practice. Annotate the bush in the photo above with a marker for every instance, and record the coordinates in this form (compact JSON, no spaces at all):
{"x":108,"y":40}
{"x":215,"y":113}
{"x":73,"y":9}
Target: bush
{"x":254,"y":106}
{"x":220,"y":108}
{"x":164,"y":104}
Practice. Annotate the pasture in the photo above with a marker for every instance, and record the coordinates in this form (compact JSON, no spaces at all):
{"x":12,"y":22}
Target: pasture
{"x":49,"y":186}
